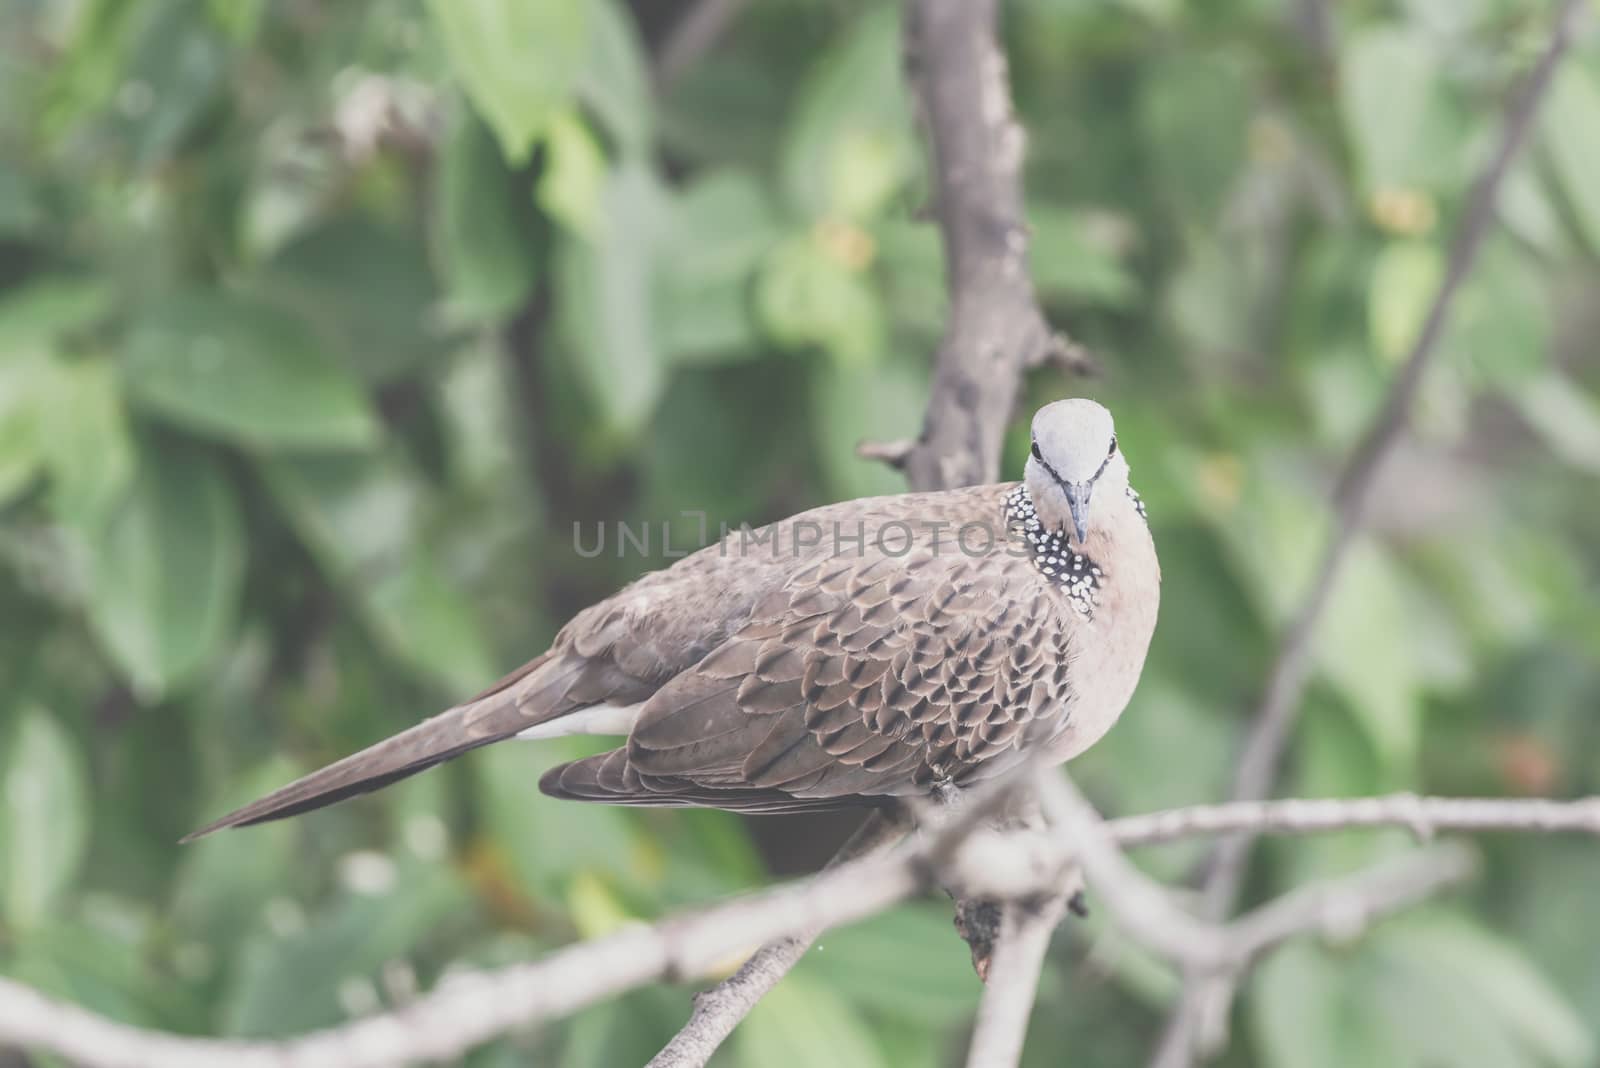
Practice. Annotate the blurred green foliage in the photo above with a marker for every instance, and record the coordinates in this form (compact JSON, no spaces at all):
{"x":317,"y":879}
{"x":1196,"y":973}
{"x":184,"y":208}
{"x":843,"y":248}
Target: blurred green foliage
{"x":321,"y":324}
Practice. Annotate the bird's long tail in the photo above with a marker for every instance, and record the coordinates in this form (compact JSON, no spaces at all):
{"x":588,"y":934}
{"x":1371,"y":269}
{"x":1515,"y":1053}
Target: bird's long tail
{"x":497,"y":713}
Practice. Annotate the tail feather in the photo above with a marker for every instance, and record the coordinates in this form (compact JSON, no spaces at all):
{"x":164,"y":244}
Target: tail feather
{"x":496,"y":714}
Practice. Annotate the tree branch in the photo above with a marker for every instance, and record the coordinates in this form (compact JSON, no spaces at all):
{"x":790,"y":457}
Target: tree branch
{"x":1286,"y":680}
{"x":1424,"y":816}
{"x":1145,"y":910}
{"x":958,"y":74}
{"x":471,"y":1008}
{"x":1008,"y":995}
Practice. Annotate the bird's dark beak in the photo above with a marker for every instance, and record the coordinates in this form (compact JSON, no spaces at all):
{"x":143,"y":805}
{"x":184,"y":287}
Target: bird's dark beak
{"x":1078,"y":500}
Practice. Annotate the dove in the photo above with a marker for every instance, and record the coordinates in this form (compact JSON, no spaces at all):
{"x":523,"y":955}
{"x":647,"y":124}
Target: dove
{"x":857,"y":654}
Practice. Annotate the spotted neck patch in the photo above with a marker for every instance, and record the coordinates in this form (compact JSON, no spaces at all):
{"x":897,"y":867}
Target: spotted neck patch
{"x":1076,"y":574}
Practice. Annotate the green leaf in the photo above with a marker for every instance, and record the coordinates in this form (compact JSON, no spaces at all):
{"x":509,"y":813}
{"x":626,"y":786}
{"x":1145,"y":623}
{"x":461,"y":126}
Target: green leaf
{"x":45,"y":818}
{"x":1474,"y":965}
{"x":365,"y":286}
{"x":362,"y":516}
{"x":224,"y":881}
{"x":1429,"y":988}
{"x":573,"y":184}
{"x":706,"y":855}
{"x":1528,"y":208}
{"x":358,"y":514}
{"x":296,"y":981}
{"x":1067,"y":259}
{"x":604,"y":298}
{"x":803,"y":1024}
{"x":424,"y":619}
{"x":878,"y":401}
{"x":807,"y":295}
{"x":23,"y":375}
{"x":239,"y":19}
{"x":85,"y":442}
{"x":165,"y":570}
{"x":1267,"y":518}
{"x":849,"y":147}
{"x":1389,"y":91}
{"x":37,"y":314}
{"x":1566,"y":416}
{"x":1208,"y":298}
{"x":910,"y":262}
{"x":1306,"y":1011}
{"x":1404,"y":282}
{"x":243,"y":371}
{"x":720,"y":227}
{"x":1570,"y":129}
{"x":545,"y":852}
{"x":1166,"y":727}
{"x":627,"y":1031}
{"x":615,"y":80}
{"x":98,"y":968}
{"x":899,"y":962}
{"x":518,"y":61}
{"x":1194,"y":111}
{"x":1357,"y":651}
{"x":1336,"y":757}
{"x":64,"y":415}
{"x":20,"y":212}
{"x":485,"y":251}
{"x":1499,"y":330}
{"x":174,"y":76}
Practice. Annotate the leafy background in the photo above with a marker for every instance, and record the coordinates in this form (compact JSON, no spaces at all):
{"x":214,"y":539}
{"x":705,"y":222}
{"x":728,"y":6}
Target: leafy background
{"x":322,"y":324}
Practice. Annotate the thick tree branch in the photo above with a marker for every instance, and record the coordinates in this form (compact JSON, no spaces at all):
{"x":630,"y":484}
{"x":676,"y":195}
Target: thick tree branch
{"x":1286,"y":680}
{"x":958,"y":74}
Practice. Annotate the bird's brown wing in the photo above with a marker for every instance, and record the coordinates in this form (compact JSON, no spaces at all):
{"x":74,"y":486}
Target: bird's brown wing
{"x":865,"y":676}
{"x":643,"y":639}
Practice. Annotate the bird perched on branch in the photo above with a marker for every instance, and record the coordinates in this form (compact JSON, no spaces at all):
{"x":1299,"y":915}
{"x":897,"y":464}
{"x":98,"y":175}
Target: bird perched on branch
{"x":875,"y":649}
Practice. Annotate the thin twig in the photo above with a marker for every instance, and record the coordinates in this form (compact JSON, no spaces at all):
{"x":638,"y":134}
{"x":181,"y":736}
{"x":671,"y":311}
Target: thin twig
{"x":1147,"y":911}
{"x":1286,"y":680}
{"x":1313,"y":20}
{"x":1001,"y":1025}
{"x":1424,"y":816}
{"x":691,"y":37}
{"x":718,"y":1011}
{"x":1342,"y":909}
{"x":1137,"y":903}
{"x":893,"y":453}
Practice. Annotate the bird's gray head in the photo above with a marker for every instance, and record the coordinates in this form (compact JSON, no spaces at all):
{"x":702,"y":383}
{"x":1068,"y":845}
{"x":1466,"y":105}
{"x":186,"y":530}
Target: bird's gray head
{"x":1074,"y":461}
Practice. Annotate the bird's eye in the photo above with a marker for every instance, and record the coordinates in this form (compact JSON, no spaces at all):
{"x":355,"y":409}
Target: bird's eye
{"x":1037,"y":455}
{"x":1113,"y":451}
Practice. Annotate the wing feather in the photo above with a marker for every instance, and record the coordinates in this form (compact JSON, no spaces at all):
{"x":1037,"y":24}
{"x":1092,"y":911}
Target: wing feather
{"x":862,"y":677}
